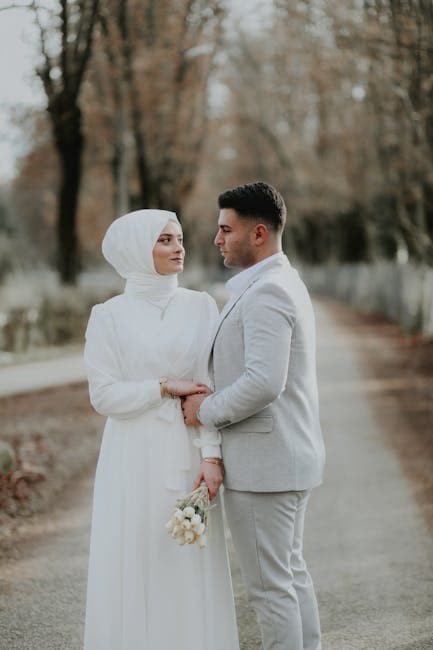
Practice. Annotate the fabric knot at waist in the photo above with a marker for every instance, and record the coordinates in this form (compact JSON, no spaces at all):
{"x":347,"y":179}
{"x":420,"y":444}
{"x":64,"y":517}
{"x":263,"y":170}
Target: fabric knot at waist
{"x":178,"y":448}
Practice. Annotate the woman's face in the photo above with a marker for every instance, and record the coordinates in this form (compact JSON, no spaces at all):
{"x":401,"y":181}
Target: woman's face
{"x":168,"y":252}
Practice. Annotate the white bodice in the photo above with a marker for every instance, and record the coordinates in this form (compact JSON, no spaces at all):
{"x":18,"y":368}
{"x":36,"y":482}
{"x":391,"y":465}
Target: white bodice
{"x":131,"y":344}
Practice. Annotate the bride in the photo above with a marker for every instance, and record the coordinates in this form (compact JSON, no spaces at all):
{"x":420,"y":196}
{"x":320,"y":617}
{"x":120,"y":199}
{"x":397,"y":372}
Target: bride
{"x":144,"y":349}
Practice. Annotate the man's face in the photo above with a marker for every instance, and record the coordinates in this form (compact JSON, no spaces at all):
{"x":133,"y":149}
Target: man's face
{"x":234,"y":239}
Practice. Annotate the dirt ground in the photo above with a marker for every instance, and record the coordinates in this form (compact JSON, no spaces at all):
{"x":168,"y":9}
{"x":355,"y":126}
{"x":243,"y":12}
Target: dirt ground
{"x":56,"y":435}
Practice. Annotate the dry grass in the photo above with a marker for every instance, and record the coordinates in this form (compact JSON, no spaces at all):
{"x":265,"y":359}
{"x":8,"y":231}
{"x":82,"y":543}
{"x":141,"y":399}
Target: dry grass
{"x":56,"y":436}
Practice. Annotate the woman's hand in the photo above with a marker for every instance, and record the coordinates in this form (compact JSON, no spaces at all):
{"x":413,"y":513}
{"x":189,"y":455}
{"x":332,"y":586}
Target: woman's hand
{"x":212,"y":475}
{"x":181,"y":388}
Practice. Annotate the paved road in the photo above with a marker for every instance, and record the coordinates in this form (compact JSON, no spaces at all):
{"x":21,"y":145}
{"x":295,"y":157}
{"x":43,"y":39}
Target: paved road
{"x":37,"y":375}
{"x":367,"y":546}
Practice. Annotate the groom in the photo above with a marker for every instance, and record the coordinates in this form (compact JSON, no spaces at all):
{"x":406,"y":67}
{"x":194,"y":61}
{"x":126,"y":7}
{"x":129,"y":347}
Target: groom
{"x":265,"y":405}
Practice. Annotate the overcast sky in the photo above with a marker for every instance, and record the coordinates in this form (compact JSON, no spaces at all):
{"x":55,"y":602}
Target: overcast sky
{"x":18,"y":85}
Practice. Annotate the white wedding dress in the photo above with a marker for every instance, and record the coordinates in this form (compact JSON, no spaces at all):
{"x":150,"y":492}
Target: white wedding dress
{"x":145,"y":592}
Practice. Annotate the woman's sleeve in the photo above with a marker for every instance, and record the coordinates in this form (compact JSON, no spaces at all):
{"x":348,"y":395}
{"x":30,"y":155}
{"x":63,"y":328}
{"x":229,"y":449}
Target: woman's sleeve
{"x":209,"y":441}
{"x":110,"y":394}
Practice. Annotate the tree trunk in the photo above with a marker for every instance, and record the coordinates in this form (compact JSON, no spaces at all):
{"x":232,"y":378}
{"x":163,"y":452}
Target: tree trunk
{"x":136,"y":110}
{"x":69,"y":143}
{"x":121,"y":158}
{"x":142,"y":168}
{"x":120,"y":171}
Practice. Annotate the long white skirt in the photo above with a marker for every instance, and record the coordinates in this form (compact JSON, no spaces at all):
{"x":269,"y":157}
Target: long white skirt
{"x":145,"y":592}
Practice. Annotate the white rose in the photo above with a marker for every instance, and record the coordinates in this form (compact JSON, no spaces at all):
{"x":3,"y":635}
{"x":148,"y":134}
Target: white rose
{"x":177,"y":530}
{"x":189,"y":512}
{"x":179,"y":515}
{"x":202,"y":541}
{"x":189,"y":536}
{"x":200,"y":529}
{"x":186,"y":524}
{"x":196,"y":520}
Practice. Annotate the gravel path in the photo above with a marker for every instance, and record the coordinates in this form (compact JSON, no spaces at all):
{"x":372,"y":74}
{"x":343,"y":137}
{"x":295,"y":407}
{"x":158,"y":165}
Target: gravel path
{"x":38,"y":375}
{"x":367,"y":546}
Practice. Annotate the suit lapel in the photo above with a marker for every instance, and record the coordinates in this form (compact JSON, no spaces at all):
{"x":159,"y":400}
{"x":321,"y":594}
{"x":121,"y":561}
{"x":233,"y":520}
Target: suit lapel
{"x":225,"y":313}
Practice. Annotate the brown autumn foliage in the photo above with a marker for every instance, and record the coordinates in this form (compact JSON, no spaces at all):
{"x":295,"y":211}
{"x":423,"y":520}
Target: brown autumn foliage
{"x":330,"y":102}
{"x":138,"y":107}
{"x":53,"y":446}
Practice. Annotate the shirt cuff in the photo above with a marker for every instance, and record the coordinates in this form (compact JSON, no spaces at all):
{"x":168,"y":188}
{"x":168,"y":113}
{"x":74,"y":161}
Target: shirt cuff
{"x":205,"y":418}
{"x":211,"y":451}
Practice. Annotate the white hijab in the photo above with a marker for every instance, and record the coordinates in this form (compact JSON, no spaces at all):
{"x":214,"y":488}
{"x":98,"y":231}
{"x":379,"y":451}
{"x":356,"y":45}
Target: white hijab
{"x":128,"y":246}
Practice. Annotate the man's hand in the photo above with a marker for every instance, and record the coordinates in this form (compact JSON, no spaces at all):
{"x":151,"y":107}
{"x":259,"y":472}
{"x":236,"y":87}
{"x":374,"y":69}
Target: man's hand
{"x":181,"y":387}
{"x":190,"y":407}
{"x":212,"y":475}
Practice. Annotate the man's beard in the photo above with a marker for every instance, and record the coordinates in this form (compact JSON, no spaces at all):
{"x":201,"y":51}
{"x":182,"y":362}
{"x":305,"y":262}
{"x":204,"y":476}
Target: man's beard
{"x":242,"y":260}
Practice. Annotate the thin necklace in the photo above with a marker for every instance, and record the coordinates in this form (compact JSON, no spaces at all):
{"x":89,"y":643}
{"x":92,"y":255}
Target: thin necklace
{"x":161,"y":309}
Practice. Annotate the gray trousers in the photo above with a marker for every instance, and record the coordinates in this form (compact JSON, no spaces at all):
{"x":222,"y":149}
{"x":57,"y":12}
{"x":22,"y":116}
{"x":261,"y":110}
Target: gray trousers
{"x":267,"y":530}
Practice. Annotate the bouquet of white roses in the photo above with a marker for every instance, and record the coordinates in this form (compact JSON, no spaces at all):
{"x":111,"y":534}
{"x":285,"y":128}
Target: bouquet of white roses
{"x":189,"y":522}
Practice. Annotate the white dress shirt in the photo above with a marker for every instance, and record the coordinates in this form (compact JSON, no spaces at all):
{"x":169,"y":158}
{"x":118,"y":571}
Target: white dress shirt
{"x":239,"y":282}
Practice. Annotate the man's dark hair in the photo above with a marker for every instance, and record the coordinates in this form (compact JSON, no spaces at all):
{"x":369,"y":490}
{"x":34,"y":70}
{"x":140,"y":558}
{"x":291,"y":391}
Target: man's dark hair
{"x":256,"y":201}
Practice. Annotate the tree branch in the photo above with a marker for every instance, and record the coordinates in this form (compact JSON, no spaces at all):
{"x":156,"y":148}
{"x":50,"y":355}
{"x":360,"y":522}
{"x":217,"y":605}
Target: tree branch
{"x":64,"y":50}
{"x":16,"y":6}
{"x":84,"y":55}
{"x":44,"y":72}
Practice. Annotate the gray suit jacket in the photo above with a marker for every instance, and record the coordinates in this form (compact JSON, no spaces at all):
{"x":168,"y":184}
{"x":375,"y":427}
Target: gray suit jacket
{"x":265,"y":402}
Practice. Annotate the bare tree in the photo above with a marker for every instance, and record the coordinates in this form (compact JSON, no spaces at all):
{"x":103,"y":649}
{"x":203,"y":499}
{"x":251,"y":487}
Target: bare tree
{"x":167,"y":51}
{"x":334,"y":104}
{"x":110,"y":77}
{"x":66,"y":37}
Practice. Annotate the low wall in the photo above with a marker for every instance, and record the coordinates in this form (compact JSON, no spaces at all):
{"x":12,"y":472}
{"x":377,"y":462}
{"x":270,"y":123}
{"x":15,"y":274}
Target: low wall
{"x":401,"y":292}
{"x":36,"y":312}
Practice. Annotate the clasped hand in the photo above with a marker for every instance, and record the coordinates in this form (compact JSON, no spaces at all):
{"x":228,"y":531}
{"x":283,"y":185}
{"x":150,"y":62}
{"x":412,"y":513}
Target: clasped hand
{"x":182,"y":388}
{"x":192,"y":395}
